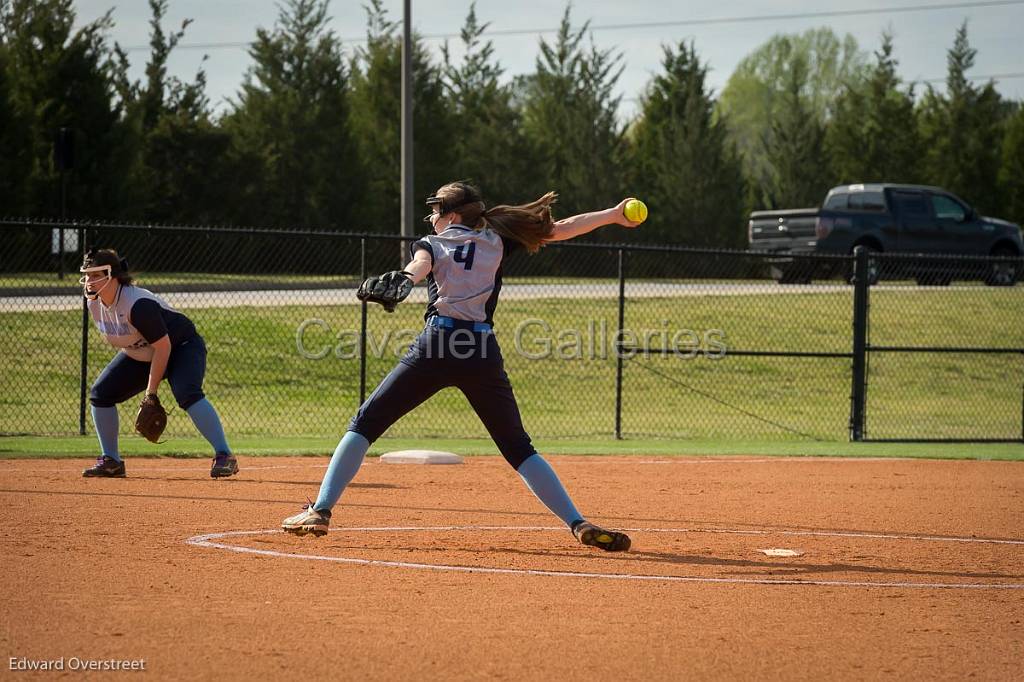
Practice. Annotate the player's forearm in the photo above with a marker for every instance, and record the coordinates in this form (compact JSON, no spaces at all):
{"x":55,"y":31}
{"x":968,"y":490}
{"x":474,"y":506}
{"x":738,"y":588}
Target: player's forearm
{"x":418,"y":268}
{"x":158,"y":365}
{"x":577,"y":225}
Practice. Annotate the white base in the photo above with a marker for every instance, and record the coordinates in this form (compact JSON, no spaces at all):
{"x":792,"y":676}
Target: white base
{"x":420,"y":457}
{"x":778,"y":551}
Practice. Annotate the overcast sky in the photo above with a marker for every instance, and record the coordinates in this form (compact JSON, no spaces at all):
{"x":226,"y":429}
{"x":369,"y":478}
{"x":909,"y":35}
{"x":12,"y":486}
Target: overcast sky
{"x":921,"y":37}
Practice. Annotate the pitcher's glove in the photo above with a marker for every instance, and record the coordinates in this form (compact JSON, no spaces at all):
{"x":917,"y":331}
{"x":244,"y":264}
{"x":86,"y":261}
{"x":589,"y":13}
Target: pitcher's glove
{"x":152,"y":418}
{"x":389,"y":289}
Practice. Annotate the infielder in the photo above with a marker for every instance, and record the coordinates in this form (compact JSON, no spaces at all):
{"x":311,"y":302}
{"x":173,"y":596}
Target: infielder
{"x":462,"y":263}
{"x":155,"y":342}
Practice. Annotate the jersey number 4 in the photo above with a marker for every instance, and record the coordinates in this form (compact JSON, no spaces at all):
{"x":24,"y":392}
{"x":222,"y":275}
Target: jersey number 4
{"x":464,"y":254}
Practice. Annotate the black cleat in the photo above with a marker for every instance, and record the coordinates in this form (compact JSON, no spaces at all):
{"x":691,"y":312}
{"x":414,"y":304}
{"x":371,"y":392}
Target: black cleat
{"x":105,"y":467}
{"x":224,"y":465}
{"x":595,"y":536}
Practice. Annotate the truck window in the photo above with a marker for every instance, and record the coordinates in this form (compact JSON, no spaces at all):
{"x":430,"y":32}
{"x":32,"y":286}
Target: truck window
{"x":867,"y":201}
{"x":836,"y":200}
{"x":947,"y":209}
{"x":874,"y":201}
{"x":911,"y":203}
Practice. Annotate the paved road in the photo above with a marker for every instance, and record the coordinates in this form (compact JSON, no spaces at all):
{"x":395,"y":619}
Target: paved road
{"x":236,"y":299}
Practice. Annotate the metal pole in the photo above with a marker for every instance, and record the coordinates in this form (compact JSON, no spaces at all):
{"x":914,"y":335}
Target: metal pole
{"x":618,"y":342}
{"x":362,"y":324}
{"x":85,"y":346}
{"x":860,"y":342}
{"x":407,"y":158}
{"x":63,"y":217}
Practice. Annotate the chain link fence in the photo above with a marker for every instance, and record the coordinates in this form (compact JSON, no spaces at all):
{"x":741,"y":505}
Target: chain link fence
{"x":945,"y":349}
{"x":755,"y":359}
{"x":600,"y":340}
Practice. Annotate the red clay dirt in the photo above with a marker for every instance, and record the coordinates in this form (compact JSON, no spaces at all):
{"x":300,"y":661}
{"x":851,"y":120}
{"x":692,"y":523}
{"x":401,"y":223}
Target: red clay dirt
{"x":102,"y":569}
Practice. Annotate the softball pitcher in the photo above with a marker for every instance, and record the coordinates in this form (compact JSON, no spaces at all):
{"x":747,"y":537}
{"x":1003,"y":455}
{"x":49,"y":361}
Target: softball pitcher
{"x":155,"y":342}
{"x":462,"y":263}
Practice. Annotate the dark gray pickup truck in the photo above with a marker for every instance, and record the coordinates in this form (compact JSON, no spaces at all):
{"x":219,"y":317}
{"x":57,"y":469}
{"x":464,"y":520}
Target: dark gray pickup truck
{"x":890,"y":218}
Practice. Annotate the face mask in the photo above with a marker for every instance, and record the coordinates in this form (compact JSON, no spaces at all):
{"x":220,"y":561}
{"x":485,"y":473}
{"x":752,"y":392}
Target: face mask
{"x":437,"y":208}
{"x":92,"y":288}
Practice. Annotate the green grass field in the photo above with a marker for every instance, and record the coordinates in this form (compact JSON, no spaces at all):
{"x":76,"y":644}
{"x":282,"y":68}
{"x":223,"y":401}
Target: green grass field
{"x":265,"y":389}
{"x":50,"y":283}
{"x":77,"y":447}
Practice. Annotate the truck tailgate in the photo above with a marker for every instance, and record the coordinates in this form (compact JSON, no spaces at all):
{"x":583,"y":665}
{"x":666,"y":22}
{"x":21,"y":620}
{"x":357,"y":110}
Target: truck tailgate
{"x":783,"y":230}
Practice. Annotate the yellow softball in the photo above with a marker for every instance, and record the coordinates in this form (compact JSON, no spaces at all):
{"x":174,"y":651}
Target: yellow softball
{"x":635,"y":210}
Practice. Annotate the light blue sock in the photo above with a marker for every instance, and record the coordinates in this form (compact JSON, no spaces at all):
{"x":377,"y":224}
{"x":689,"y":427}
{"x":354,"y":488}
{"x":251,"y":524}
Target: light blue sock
{"x":206,"y":420}
{"x":345,"y":462}
{"x":542,"y":480}
{"x":106,"y":422}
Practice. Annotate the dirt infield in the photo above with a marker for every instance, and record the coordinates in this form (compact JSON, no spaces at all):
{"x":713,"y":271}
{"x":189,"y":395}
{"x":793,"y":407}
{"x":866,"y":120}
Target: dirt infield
{"x":906,"y":568}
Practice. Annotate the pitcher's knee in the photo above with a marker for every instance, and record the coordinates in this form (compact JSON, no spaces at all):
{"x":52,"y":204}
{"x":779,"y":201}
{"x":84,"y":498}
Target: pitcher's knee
{"x":375,"y":416}
{"x":516,"y":452}
{"x":369,"y":427}
{"x":370,"y":438}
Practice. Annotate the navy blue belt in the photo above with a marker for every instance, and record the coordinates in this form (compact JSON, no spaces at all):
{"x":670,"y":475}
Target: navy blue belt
{"x":445,"y":322}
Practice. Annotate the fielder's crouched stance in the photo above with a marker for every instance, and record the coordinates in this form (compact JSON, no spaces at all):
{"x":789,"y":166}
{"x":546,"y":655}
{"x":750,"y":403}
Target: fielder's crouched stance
{"x":462,"y":264}
{"x":155,"y":342}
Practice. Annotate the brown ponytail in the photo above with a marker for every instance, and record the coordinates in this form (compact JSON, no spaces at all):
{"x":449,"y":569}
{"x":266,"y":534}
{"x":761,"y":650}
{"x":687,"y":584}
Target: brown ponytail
{"x":529,"y":224}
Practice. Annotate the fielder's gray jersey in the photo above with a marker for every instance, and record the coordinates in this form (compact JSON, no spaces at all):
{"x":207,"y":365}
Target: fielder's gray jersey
{"x":465,"y":277}
{"x":115,"y":322}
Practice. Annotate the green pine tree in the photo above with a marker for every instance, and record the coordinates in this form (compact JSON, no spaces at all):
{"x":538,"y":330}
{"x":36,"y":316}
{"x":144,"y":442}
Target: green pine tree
{"x":291,"y":117}
{"x":189,"y":162}
{"x":181,"y":162}
{"x":793,"y":149}
{"x":962,"y":132}
{"x":758,"y":91}
{"x":60,"y":76}
{"x":681,"y":162}
{"x":1011,"y":171}
{"x":489,"y":147}
{"x":569,"y":119}
{"x":376,"y":87}
{"x":15,"y":148}
{"x":873,"y":136}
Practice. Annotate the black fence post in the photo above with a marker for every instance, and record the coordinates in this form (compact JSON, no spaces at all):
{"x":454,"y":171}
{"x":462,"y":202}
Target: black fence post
{"x":362,"y":324}
{"x":60,"y":232}
{"x":64,"y":160}
{"x":85,"y":344}
{"x":858,"y":391}
{"x":618,"y":341}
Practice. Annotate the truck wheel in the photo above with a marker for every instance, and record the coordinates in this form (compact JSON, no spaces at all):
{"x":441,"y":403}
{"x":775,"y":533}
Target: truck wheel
{"x":1003,"y":274}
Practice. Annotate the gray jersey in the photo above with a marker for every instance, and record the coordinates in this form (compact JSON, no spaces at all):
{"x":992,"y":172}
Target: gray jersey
{"x":465,"y":275}
{"x":115,"y":322}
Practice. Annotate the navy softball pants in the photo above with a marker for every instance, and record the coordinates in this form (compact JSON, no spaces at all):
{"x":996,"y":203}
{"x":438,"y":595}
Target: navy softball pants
{"x":439,"y":358}
{"x":125,"y":377}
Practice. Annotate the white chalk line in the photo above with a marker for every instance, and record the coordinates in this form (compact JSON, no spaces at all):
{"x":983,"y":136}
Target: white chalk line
{"x":834,"y":534}
{"x":208,"y":540}
{"x":180,"y":469}
{"x":10,"y":465}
